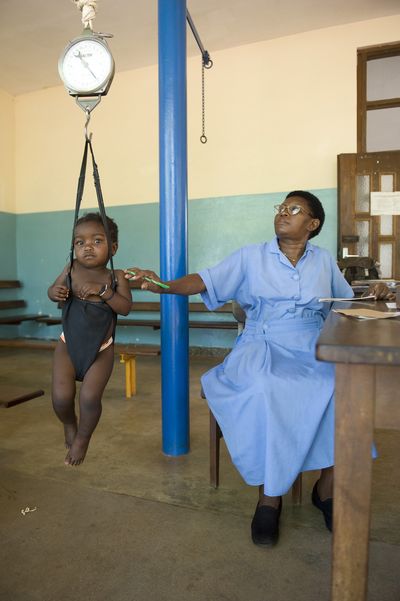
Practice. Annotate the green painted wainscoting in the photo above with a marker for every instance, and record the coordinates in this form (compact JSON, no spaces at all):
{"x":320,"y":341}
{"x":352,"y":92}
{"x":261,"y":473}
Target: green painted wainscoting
{"x":37,"y":245}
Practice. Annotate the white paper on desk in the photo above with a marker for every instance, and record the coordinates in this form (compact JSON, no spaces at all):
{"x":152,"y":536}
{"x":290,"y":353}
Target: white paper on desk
{"x":347,"y":300}
{"x":361,"y":313}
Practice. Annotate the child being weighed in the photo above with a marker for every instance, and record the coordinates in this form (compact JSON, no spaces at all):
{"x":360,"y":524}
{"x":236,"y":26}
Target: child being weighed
{"x":91,"y":297}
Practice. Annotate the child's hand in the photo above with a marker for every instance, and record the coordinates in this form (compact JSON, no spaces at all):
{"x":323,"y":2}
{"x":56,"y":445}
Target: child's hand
{"x":59,"y":293}
{"x":89,"y":289}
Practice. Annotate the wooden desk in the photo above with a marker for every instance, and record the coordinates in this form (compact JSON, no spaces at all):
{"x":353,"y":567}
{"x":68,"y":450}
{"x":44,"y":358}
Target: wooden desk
{"x":358,"y":348}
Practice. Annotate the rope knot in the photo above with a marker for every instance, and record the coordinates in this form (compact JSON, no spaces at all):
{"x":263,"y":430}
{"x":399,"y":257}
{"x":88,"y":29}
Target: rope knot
{"x":88,"y":9}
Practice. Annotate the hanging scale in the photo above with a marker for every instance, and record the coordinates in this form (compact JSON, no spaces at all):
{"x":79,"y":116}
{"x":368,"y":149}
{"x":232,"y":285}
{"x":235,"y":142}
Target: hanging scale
{"x":86,"y":66}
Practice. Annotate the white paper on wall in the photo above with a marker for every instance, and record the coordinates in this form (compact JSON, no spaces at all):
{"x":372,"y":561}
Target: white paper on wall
{"x":385,"y":203}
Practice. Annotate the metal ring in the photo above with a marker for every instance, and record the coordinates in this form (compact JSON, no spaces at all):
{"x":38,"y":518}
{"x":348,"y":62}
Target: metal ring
{"x":209,"y":64}
{"x":203,"y":139}
{"x":103,"y":35}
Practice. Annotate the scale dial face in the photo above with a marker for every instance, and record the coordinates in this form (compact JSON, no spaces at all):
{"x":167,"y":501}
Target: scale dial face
{"x":86,"y":66}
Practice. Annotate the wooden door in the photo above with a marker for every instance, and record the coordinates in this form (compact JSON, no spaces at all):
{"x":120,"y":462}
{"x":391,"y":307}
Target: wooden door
{"x":359,"y":232}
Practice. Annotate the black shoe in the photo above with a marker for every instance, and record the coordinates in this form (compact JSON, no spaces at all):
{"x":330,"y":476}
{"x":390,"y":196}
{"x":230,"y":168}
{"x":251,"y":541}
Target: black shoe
{"x":265,"y":525}
{"x":325,"y":506}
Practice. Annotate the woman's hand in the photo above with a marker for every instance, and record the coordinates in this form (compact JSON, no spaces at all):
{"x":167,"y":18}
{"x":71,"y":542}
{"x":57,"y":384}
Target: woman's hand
{"x":145,"y":279}
{"x":58,"y":293}
{"x":380,"y":291}
{"x":148,"y":280}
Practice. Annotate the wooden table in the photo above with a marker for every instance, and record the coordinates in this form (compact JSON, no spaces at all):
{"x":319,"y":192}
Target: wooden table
{"x":358,"y":348}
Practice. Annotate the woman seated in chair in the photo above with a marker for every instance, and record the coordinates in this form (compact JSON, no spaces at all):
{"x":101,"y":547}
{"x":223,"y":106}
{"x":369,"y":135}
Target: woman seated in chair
{"x":272,"y":399}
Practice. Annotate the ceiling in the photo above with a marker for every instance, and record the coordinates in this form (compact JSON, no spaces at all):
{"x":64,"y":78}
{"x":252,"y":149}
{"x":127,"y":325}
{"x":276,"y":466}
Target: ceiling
{"x":34,"y":32}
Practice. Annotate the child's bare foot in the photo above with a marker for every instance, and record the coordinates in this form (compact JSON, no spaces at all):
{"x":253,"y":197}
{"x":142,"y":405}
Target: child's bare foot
{"x":77,"y":452}
{"x":70,"y":431}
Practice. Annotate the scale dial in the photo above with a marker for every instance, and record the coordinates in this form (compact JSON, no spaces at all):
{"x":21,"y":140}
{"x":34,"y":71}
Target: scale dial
{"x":87,"y":66}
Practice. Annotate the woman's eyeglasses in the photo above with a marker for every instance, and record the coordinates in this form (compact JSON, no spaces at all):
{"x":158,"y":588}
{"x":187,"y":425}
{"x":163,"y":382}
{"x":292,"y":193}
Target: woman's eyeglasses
{"x":290,"y":209}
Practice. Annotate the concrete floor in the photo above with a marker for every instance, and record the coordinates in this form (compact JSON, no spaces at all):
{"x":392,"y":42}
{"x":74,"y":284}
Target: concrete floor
{"x":131,"y":524}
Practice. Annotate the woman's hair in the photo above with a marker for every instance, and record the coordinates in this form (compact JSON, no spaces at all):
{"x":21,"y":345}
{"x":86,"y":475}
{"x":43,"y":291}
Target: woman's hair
{"x":315,"y":206}
{"x":96,"y":217}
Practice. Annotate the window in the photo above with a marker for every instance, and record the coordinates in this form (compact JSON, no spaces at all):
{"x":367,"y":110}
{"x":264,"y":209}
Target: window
{"x":378,"y":98}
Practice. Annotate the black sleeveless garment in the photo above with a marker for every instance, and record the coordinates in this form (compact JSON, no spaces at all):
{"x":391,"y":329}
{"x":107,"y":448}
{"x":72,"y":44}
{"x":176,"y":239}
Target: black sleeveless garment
{"x":85,"y":325}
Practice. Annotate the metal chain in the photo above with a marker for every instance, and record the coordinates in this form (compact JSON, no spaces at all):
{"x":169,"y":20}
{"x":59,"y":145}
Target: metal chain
{"x":203,"y":137}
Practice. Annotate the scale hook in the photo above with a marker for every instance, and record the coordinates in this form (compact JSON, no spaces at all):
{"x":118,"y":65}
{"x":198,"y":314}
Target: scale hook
{"x":87,"y":135}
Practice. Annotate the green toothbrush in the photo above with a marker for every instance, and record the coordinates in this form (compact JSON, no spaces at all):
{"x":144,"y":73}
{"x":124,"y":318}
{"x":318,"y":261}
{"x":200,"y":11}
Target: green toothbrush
{"x":150,"y":280}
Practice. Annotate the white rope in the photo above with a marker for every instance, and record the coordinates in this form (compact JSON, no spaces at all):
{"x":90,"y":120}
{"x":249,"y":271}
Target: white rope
{"x":88,"y":9}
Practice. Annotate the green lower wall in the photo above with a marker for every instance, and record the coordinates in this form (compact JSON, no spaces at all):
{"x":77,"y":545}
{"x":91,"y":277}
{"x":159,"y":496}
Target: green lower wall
{"x":8,"y":246}
{"x":217,"y":226}
{"x":8,"y":264}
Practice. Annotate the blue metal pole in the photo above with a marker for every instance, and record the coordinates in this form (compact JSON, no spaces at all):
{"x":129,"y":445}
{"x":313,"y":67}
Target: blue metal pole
{"x":173,"y":223}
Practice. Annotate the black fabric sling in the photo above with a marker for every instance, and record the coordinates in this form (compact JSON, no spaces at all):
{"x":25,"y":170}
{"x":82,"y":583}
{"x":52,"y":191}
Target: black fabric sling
{"x":86,"y":323}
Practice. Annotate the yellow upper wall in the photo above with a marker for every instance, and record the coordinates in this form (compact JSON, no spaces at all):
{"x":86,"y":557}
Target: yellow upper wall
{"x":7,"y":162}
{"x":278,"y":113}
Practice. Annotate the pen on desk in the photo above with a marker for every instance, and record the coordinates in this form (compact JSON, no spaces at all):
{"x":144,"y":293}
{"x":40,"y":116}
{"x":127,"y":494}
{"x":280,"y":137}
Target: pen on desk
{"x":150,"y":280}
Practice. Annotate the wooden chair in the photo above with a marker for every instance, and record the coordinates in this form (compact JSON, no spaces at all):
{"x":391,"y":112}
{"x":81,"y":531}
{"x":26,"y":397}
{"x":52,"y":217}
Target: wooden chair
{"x":216,"y":433}
{"x":358,"y":268}
{"x":215,"y":438}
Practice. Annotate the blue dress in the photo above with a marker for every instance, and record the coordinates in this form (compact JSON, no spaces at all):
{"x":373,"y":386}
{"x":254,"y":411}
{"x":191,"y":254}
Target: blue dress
{"x":272,"y":399}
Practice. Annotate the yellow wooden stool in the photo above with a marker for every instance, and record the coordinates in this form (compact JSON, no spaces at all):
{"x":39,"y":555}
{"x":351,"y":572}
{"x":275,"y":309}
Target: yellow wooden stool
{"x":130,"y":373}
{"x":129,"y":358}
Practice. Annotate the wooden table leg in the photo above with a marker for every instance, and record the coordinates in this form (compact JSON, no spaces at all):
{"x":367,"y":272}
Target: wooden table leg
{"x":355,"y":393}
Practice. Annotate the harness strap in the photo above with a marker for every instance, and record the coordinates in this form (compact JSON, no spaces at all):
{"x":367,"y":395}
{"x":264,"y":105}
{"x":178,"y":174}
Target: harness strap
{"x":100,"y":202}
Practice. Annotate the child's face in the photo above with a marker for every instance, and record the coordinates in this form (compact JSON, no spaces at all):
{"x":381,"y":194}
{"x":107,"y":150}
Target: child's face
{"x":90,"y":245}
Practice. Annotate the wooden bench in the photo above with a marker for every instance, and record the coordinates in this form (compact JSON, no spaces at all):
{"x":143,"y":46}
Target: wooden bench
{"x":17,"y":318}
{"x":148,"y":307}
{"x":127,"y":354}
{"x":154,"y":307}
{"x":10,"y":396}
{"x":15,"y":395}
